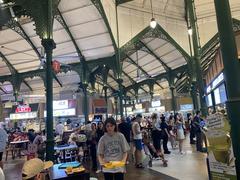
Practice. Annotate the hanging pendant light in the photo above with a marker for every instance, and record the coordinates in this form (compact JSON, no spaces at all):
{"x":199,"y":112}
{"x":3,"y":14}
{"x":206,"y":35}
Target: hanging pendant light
{"x":153,"y":22}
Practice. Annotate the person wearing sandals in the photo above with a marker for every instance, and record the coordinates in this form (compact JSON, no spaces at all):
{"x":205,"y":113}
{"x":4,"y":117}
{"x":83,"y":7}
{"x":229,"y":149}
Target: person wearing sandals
{"x":180,"y":132}
{"x":112,"y":147}
{"x":137,"y":139}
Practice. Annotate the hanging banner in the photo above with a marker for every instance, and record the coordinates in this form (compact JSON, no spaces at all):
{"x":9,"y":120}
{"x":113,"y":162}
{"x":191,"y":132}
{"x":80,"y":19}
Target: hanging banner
{"x":220,"y":152}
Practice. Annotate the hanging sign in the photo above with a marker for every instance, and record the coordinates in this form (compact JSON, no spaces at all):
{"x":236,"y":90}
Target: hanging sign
{"x":23,"y":109}
{"x":220,"y":152}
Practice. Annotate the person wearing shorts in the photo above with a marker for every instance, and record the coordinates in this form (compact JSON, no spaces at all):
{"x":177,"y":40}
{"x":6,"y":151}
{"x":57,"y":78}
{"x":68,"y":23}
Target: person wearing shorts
{"x":137,"y":139}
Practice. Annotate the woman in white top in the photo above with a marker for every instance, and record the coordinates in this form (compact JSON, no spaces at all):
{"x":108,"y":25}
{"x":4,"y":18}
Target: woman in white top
{"x":180,"y":131}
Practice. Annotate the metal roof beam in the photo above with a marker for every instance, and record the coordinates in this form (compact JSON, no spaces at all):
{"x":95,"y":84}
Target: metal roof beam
{"x":166,"y":67}
{"x":159,"y":84}
{"x":160,"y":76}
{"x":9,"y":65}
{"x":5,"y":92}
{"x":25,"y":82}
{"x":99,"y":6}
{"x":134,"y":63}
{"x":16,"y":26}
{"x":133,"y":81}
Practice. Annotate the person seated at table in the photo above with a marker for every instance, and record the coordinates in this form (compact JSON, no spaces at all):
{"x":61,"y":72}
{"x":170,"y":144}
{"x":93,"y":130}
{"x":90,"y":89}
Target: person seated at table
{"x":40,"y":145}
{"x":31,"y":135}
{"x":112,"y":147}
{"x":35,"y":169}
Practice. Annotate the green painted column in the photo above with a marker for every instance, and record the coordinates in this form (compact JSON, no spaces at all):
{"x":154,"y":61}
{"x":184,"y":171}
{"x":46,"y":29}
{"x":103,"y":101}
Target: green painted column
{"x":106,"y":100}
{"x":49,"y":45}
{"x":196,"y":61}
{"x":125,"y":105}
{"x":173,"y":100}
{"x":116,"y":105}
{"x":85,"y":103}
{"x":213,"y":101}
{"x":231,"y":73}
{"x":120,"y":96}
{"x":151,"y":97}
{"x":193,"y":91}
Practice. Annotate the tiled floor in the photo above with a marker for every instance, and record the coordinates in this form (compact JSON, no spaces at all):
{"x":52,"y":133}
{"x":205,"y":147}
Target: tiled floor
{"x":190,"y":166}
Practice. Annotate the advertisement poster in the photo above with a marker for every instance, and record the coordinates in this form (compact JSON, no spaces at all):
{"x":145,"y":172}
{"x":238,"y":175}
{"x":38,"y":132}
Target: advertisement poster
{"x":220,"y":153}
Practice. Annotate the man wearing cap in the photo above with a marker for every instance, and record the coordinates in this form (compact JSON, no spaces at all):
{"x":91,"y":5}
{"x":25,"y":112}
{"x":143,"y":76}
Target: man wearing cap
{"x":32,"y":169}
{"x":137,"y":138}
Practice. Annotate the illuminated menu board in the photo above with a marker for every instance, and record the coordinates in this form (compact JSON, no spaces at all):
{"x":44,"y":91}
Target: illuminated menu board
{"x":27,"y":115}
{"x":62,"y":104}
{"x":62,"y":112}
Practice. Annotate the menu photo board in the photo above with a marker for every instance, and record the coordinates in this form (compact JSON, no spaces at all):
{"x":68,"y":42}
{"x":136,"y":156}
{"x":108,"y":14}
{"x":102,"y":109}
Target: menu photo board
{"x":220,"y":152}
{"x":27,"y":115}
{"x":62,"y":104}
{"x":100,"y":110}
{"x":62,"y":112}
{"x":156,"y":104}
{"x":138,"y":106}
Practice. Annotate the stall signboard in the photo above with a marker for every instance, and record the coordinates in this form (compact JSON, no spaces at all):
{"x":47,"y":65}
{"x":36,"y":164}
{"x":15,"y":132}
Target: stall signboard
{"x":220,"y":152}
{"x":23,"y":109}
{"x":62,"y":112}
{"x":160,"y":109}
{"x":138,"y":106}
{"x":62,"y":104}
{"x":129,"y":109}
{"x":100,"y":110}
{"x":156,"y":103}
{"x":186,"y":107}
{"x":27,"y":115}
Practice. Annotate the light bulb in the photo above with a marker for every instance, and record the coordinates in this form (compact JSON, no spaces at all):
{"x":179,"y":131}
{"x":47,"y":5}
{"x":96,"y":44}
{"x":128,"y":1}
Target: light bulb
{"x":153,"y":23}
{"x":190,"y":31}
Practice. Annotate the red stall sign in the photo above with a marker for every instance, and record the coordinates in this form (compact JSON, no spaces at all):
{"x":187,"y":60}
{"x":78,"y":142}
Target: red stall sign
{"x":23,"y":109}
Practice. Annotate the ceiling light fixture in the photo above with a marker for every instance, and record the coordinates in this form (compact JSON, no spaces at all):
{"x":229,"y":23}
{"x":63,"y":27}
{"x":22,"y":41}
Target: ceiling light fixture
{"x":153,"y":22}
{"x":190,"y":31}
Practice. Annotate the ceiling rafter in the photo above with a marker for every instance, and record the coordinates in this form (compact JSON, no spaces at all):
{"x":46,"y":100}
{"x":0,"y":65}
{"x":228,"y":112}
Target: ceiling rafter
{"x":13,"y":71}
{"x":16,"y":26}
{"x":166,"y":67}
{"x":133,"y":81}
{"x":5,"y":92}
{"x":158,"y":77}
{"x":134,"y":63}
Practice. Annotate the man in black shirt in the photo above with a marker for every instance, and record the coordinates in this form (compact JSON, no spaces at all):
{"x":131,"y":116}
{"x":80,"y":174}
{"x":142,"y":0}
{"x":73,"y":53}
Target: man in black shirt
{"x":125,"y":129}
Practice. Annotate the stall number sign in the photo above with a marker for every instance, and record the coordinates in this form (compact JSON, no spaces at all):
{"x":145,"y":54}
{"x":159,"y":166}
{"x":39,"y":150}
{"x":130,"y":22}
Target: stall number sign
{"x":23,"y":109}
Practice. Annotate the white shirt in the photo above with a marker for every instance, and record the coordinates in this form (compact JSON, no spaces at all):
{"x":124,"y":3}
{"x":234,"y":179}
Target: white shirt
{"x":59,"y":129}
{"x":3,"y":140}
{"x":134,"y":129}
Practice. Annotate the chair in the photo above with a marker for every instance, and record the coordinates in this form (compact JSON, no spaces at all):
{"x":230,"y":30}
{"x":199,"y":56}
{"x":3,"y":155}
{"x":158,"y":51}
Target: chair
{"x":9,"y":148}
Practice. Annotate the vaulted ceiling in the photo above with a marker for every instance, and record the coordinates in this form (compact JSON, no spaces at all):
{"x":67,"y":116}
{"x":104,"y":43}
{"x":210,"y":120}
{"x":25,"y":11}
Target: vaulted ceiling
{"x":89,"y":27}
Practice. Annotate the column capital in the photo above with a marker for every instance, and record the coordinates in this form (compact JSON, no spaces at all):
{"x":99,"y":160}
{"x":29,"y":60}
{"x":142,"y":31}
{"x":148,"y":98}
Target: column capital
{"x":105,"y":87}
{"x":48,"y":44}
{"x":120,"y":81}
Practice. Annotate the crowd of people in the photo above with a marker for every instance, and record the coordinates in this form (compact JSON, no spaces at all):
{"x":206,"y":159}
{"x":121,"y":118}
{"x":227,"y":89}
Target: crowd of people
{"x":128,"y":140}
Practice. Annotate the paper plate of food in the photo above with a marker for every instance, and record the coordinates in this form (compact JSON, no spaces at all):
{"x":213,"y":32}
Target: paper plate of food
{"x":114,"y":164}
{"x":70,"y":170}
